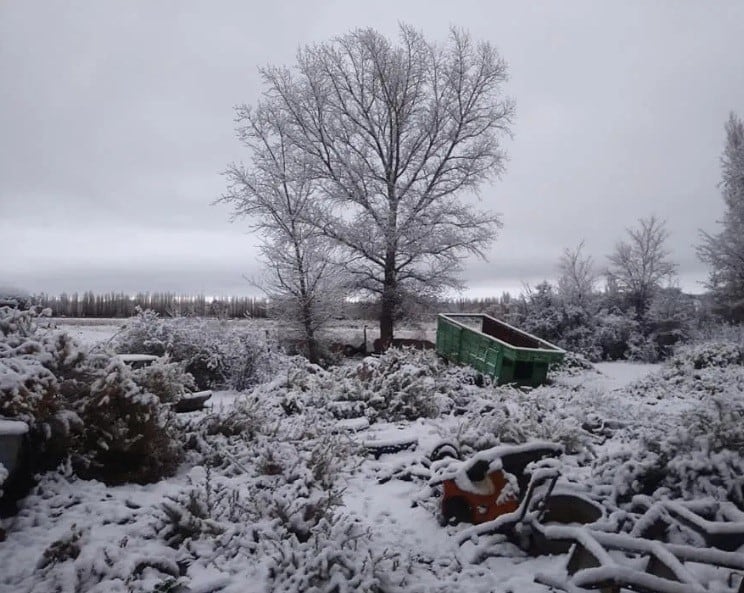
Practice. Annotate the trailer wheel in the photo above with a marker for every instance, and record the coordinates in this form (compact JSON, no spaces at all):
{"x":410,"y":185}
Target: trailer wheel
{"x":443,"y":450}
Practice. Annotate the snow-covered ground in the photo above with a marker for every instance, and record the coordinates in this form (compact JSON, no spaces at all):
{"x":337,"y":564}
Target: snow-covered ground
{"x":86,"y":331}
{"x":238,"y":516}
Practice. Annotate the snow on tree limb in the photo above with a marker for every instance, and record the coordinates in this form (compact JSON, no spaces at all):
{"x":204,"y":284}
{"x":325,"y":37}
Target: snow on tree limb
{"x":392,"y":134}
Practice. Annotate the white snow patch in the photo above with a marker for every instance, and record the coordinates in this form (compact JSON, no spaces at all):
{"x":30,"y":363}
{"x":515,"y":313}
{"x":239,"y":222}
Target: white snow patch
{"x":621,"y":373}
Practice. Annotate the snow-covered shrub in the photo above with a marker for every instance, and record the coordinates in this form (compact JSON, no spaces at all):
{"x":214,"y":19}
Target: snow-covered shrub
{"x":63,"y":549}
{"x":165,"y":379}
{"x":707,"y":369}
{"x":38,"y":371}
{"x":275,"y":495}
{"x":80,"y":404}
{"x":642,"y":348}
{"x":513,"y":417}
{"x":215,"y":353}
{"x":145,"y":333}
{"x":613,"y":331}
{"x":185,"y":517}
{"x":399,"y":385}
{"x":708,"y":354}
{"x":29,"y":389}
{"x":581,"y":340}
{"x":74,"y":555}
{"x":128,"y":436}
{"x":672,"y":469}
{"x":718,"y":423}
{"x":712,"y":331}
{"x":538,"y":312}
{"x":16,"y":298}
{"x":337,"y":557}
{"x":396,"y":391}
{"x":702,"y":456}
{"x":696,"y":448}
{"x":247,"y":418}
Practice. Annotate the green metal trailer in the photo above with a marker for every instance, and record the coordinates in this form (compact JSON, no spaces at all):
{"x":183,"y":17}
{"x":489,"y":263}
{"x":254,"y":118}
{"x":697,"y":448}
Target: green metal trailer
{"x":495,"y":348}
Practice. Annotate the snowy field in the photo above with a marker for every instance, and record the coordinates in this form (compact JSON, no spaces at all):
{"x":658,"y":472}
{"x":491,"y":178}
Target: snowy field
{"x":95,"y":331}
{"x":279,"y":494}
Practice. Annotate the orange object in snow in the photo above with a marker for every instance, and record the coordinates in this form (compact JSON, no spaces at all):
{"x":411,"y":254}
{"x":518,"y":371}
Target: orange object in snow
{"x":477,"y":496}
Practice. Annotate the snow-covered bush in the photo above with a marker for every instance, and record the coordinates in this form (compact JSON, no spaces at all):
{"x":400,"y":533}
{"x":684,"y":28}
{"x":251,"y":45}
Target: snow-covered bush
{"x":707,"y":369}
{"x":247,"y":418}
{"x":394,"y":387}
{"x":166,"y":379}
{"x":510,"y":416}
{"x":672,"y":468}
{"x":709,"y":330}
{"x":271,"y":496}
{"x":145,"y":333}
{"x":338,"y":557}
{"x":701,"y":454}
{"x":581,"y":340}
{"x":699,"y":449}
{"x":185,"y":517}
{"x":718,"y":423}
{"x":403,"y":384}
{"x":38,"y":370}
{"x":29,"y":389}
{"x":127,"y":435}
{"x":613,"y":331}
{"x":642,"y":348}
{"x":74,"y":556}
{"x":215,"y":353}
{"x":84,"y":405}
{"x":708,"y":354}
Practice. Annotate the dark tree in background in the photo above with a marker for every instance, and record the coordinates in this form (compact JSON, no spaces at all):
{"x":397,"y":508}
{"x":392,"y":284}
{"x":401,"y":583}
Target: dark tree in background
{"x":397,"y":135}
{"x":640,"y":264}
{"x":724,"y":252}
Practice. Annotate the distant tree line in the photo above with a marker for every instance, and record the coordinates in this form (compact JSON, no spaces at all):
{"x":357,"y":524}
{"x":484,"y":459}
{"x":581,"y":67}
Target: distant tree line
{"x":119,"y":305}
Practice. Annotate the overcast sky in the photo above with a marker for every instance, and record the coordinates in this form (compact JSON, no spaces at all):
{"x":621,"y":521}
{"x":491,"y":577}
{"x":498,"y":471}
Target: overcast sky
{"x":117,"y":117}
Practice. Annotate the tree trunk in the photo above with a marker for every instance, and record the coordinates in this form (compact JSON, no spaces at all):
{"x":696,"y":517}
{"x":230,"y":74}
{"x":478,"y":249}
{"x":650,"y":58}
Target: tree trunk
{"x":389,"y":302}
{"x":313,"y":349}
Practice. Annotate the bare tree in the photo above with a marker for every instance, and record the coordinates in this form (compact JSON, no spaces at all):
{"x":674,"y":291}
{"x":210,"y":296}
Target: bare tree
{"x":639,"y":265}
{"x":724,"y":252}
{"x":277,"y":192}
{"x":395,"y":135}
{"x":577,"y":279}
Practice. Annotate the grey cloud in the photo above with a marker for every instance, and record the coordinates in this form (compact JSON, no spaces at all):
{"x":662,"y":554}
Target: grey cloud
{"x":116,"y":119}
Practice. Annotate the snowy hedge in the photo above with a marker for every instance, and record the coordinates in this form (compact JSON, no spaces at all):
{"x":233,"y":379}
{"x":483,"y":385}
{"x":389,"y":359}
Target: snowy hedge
{"x":218,"y":354}
{"x":85,"y":406}
{"x":695,"y":451}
